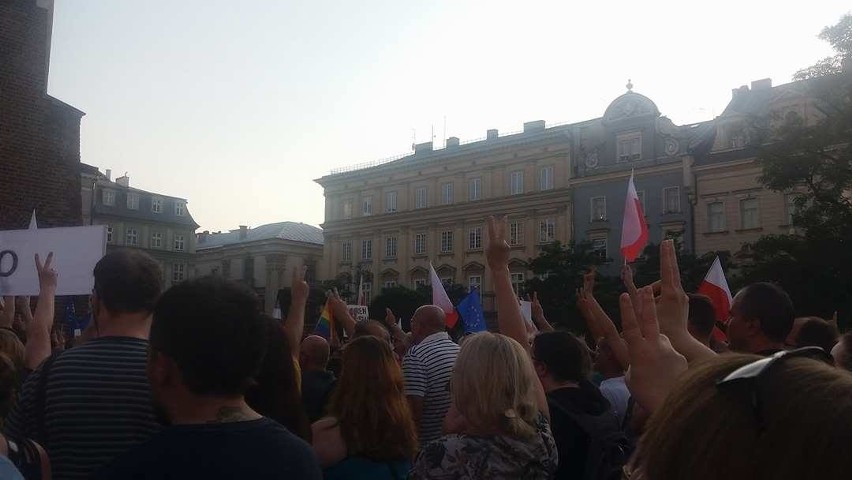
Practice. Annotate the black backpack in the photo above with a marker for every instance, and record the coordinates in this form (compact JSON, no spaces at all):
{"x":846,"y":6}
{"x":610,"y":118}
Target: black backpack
{"x":609,"y":448}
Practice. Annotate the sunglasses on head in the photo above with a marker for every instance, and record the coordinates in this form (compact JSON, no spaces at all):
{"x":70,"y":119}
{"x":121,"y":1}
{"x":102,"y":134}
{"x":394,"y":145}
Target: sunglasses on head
{"x":749,"y":376}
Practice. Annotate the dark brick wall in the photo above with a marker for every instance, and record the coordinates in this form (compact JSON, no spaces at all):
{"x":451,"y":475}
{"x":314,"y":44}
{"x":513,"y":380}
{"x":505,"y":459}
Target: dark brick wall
{"x":39,"y":135}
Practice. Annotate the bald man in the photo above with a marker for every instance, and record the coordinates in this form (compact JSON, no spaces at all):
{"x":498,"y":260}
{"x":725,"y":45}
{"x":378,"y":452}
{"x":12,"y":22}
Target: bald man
{"x":427,"y":368}
{"x":317,"y":382}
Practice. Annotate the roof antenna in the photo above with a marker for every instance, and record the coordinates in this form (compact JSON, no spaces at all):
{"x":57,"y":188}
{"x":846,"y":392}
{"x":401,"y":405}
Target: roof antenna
{"x":629,"y":85}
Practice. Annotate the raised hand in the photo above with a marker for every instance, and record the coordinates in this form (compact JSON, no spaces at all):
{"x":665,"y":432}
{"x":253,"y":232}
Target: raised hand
{"x":589,"y":281}
{"x":390,"y":318}
{"x":47,"y":276}
{"x":672,"y":304}
{"x":537,"y":310}
{"x":654,"y":364}
{"x":497,"y":249}
{"x":299,"y":288}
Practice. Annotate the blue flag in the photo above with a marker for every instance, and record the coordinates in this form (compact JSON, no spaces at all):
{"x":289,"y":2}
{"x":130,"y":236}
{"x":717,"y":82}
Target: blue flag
{"x":470,"y":309}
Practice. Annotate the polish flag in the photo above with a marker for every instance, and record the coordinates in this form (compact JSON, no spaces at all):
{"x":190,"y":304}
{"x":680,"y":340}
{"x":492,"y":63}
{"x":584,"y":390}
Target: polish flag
{"x":715,"y":286}
{"x":362,"y":299}
{"x":440,"y":298}
{"x":634,"y":230}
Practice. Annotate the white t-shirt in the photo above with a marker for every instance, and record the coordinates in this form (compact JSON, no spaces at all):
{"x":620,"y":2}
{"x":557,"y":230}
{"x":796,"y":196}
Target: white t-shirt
{"x":615,"y":390}
{"x":427,"y":368}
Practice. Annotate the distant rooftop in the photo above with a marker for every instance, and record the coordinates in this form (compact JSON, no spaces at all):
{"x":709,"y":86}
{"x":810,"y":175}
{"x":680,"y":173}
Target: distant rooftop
{"x":292,"y":231}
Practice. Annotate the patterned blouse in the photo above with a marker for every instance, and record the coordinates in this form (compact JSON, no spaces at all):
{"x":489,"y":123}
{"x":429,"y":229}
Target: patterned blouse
{"x":459,"y":457}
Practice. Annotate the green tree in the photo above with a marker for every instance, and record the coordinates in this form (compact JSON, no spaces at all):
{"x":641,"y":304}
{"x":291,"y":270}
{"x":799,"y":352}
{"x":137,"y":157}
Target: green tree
{"x":402,"y":300}
{"x":693,"y":268}
{"x":811,"y":160}
{"x":559,"y":273}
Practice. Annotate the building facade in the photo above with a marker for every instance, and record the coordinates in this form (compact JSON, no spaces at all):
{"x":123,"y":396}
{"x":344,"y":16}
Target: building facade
{"x":262,"y":257}
{"x":160,"y":225}
{"x":39,"y":135}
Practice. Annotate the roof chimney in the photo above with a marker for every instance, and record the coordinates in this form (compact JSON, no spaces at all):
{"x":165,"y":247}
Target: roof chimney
{"x":202,"y":237}
{"x":762,"y":84}
{"x":423,"y":147}
{"x":452,"y":142}
{"x":109,"y":174}
{"x":243,"y":232}
{"x":534,"y":126}
{"x":491,"y":134}
{"x":124,"y":181}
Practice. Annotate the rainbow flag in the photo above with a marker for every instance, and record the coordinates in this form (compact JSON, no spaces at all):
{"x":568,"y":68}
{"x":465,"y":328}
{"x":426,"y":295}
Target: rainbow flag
{"x":325,"y":324}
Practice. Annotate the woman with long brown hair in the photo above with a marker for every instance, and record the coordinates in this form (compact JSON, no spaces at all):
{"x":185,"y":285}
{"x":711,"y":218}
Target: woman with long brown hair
{"x":370,"y":431}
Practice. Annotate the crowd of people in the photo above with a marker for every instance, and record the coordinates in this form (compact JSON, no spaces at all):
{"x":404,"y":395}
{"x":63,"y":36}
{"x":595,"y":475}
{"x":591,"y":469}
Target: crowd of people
{"x":195,"y":382}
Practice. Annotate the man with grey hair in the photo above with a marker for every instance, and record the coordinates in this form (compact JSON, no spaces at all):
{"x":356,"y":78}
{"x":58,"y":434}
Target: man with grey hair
{"x":427,"y":368}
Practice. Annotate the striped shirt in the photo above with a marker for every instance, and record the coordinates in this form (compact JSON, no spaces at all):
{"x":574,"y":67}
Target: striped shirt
{"x":97,"y":405}
{"x":427,"y":368}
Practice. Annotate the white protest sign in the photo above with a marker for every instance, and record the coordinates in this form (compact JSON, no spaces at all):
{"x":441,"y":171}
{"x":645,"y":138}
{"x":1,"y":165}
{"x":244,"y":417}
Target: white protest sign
{"x":76,"y":250}
{"x":526,"y":310}
{"x":358,"y":312}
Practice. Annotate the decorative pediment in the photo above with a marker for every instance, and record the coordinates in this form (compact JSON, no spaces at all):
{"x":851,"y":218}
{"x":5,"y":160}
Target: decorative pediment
{"x":517,"y":263}
{"x":473,"y":266}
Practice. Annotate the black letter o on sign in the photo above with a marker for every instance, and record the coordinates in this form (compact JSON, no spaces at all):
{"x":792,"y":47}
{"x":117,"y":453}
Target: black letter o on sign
{"x":8,"y":273}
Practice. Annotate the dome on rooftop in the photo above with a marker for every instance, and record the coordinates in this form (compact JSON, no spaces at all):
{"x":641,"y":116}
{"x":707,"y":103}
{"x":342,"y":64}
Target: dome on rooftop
{"x":630,"y":105}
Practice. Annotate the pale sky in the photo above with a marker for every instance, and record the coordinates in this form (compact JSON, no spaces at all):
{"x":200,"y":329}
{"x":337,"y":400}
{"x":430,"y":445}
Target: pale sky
{"x":239,"y":105}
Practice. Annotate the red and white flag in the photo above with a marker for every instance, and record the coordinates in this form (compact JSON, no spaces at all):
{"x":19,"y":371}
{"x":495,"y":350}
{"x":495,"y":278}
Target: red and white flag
{"x":440,"y":298}
{"x":634,"y":229}
{"x":362,"y":300}
{"x":715,"y":286}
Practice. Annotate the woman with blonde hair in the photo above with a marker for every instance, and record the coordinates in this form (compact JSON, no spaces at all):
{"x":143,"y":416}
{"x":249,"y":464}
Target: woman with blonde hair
{"x":370,"y":431}
{"x":498,"y":417}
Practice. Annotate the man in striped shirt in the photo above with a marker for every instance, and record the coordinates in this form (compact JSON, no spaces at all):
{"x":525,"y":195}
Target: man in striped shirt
{"x":93,"y":402}
{"x":427,"y":368}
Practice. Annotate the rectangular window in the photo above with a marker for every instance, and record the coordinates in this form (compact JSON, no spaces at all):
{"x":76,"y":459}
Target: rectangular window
{"x":109,"y":234}
{"x":420,"y":244}
{"x":545,"y":178}
{"x":391,"y":244}
{"x":157,"y":205}
{"x":516,"y":182}
{"x":180,"y":208}
{"x":474,"y":238}
{"x":447,"y":194}
{"x":598,"y":212}
{"x":390,"y":283}
{"x":367,"y":206}
{"x":132,"y":201}
{"x":518,"y":280}
{"x":516,"y":233}
{"x":347,"y":209}
{"x":132,"y":237}
{"x":599,"y":248}
{"x":178,"y":272}
{"x":749,"y":213}
{"x":474,"y":189}
{"x":671,"y":200}
{"x":447,"y":241}
{"x":716,"y":216}
{"x":420,"y":197}
{"x":390,"y":202}
{"x":179,"y":243}
{"x":474,"y":282}
{"x":630,"y":147}
{"x":547,"y":230}
{"x":368,"y":291}
{"x":346,"y":250}
{"x":157,"y":240}
{"x":109,"y":198}
{"x":419,"y":282}
{"x":366,"y":250}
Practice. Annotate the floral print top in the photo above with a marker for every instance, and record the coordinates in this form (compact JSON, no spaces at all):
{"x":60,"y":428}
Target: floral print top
{"x":492,"y":457}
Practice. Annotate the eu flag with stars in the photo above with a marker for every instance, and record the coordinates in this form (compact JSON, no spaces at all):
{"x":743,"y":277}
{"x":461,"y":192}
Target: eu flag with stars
{"x":470,"y":309}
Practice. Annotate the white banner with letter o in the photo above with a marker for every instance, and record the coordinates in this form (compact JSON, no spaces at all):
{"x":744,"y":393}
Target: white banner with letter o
{"x":76,"y":250}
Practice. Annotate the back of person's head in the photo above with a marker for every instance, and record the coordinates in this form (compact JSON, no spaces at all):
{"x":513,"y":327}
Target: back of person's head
{"x":842,"y":352}
{"x":769,"y":304}
{"x":564,"y":355}
{"x":493,"y":385}
{"x":816,"y":332}
{"x":276,"y":393}
{"x":702,"y":317}
{"x":214,"y":332}
{"x":704,"y":432}
{"x":128,"y":281}
{"x":314,"y":353}
{"x":370,"y":405}
{"x":11,"y":346}
{"x":427,"y":320}
{"x":8,"y":384}
{"x":371,"y":327}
